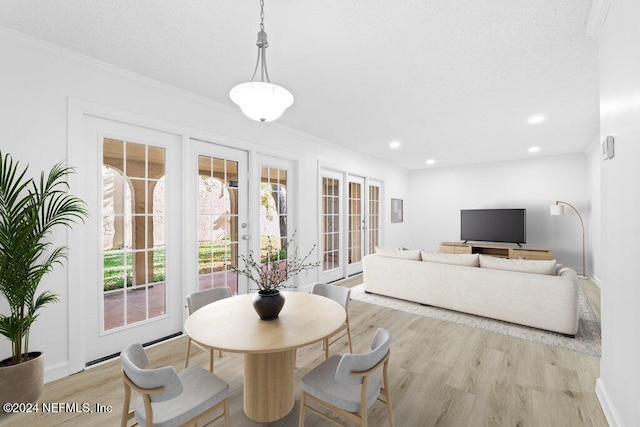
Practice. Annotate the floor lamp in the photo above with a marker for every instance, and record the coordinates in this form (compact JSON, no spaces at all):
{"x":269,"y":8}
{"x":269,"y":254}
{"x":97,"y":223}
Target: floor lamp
{"x":558,"y":209}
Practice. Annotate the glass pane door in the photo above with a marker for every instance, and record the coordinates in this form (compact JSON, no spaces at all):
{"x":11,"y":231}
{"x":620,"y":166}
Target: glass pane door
{"x":133,"y":288}
{"x":274,"y":208}
{"x":133,"y":232}
{"x":216,"y":216}
{"x":355,"y":235}
{"x":374,"y":218}
{"x":331,"y":227}
{"x":217,"y":222}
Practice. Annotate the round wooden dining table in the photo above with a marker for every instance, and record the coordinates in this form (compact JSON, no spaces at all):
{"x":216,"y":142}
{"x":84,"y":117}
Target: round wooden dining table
{"x":269,"y":346}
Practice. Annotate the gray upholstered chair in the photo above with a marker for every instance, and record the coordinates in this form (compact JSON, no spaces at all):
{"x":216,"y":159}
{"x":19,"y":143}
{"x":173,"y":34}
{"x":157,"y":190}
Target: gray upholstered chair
{"x":196,"y":301}
{"x":169,"y":398}
{"x":341,"y":296}
{"x":348,"y":384}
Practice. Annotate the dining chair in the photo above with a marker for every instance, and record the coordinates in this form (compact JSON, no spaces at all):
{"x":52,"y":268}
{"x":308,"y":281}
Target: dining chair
{"x":341,"y":296}
{"x":348,"y":384}
{"x":196,"y":301}
{"x":169,"y":398}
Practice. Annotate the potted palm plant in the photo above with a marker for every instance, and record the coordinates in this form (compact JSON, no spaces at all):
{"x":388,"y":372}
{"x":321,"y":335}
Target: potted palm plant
{"x":272,"y":272}
{"x":29,"y":211}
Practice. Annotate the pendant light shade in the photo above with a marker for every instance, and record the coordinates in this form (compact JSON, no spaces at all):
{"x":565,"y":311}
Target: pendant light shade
{"x":261,"y":101}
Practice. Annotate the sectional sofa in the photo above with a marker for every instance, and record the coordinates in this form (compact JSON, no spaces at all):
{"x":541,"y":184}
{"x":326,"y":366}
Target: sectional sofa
{"x":540,"y":294}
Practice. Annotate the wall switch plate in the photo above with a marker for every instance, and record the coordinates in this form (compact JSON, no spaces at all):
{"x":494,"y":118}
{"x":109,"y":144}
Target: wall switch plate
{"x":607,"y":148}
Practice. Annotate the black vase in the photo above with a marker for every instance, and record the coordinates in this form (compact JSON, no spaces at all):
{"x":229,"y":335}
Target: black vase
{"x":268,"y":303}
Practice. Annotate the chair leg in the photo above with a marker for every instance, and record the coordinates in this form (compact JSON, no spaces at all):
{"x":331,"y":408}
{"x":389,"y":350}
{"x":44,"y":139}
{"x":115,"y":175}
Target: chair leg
{"x":326,"y":348}
{"x":125,"y":406}
{"x":227,"y":419}
{"x":186,"y":359}
{"x":364,"y":415}
{"x":349,"y":335}
{"x":219,"y":353}
{"x":302,"y":405}
{"x":148,"y":410}
{"x":387,"y":393}
{"x":212,"y":354}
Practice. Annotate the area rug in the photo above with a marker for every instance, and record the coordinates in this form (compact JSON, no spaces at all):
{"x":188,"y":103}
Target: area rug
{"x":587,"y":339}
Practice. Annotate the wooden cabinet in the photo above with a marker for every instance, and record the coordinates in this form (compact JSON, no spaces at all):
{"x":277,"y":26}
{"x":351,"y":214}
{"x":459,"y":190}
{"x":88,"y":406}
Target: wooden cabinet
{"x":455,"y":248}
{"x":531,"y":253}
{"x":497,"y":250}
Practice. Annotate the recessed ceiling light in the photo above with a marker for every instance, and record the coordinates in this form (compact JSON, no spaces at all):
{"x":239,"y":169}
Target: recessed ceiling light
{"x":430,"y":161}
{"x":394,"y":144}
{"x":536,"y":119}
{"x":534,"y":149}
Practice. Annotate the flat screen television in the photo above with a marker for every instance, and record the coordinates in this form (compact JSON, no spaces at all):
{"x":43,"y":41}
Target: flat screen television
{"x":494,"y":225}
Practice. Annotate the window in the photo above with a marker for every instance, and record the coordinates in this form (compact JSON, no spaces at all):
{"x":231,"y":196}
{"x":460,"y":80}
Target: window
{"x":330,"y":223}
{"x":133,"y":232}
{"x":374,"y":217}
{"x":273,"y":211}
{"x":355,"y":222}
{"x":217,"y":222}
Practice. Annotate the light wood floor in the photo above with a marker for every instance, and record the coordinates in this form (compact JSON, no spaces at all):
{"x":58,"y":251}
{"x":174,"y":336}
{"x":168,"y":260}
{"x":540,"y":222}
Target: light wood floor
{"x":441,"y":374}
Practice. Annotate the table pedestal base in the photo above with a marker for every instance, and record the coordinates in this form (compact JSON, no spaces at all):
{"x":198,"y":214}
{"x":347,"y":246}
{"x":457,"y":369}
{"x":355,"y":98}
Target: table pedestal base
{"x":268,"y":385}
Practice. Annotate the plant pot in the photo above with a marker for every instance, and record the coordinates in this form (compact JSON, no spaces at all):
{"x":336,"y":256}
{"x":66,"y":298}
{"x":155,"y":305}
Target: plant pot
{"x":22,"y":383}
{"x":268,"y":303}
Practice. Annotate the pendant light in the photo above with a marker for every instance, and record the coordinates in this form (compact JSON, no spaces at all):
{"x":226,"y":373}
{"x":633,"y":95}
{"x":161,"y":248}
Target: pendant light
{"x":261,"y":101}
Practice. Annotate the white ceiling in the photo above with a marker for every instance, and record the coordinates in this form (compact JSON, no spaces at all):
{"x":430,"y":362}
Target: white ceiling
{"x":454,"y":81}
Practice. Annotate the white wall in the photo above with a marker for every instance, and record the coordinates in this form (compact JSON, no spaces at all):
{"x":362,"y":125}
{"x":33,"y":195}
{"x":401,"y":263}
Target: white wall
{"x":438,"y":195}
{"x":594,"y":232}
{"x":36,"y":82}
{"x":617,"y":386}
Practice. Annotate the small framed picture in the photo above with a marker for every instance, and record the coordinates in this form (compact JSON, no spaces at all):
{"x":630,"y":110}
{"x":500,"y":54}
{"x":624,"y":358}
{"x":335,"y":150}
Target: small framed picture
{"x":396,"y":210}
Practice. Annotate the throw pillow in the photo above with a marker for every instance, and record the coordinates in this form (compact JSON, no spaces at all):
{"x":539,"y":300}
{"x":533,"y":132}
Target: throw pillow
{"x":468,"y":260}
{"x":413,"y":254}
{"x":521,"y":265}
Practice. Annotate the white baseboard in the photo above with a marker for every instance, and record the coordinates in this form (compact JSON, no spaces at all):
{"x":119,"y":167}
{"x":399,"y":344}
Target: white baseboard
{"x":55,"y":372}
{"x":609,"y":410}
{"x":596,"y":280}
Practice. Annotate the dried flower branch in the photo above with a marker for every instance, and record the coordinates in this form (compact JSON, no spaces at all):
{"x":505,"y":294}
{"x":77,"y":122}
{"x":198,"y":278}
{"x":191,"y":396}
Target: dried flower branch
{"x":275,"y":273}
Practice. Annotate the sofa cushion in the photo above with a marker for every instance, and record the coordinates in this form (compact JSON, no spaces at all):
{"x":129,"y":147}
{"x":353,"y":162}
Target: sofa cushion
{"x":412,"y":254}
{"x":521,"y":265}
{"x":468,"y":260}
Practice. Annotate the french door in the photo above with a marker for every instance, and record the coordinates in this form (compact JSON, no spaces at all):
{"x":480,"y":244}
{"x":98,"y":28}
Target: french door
{"x":134,"y":291}
{"x":271,"y":202}
{"x":217,"y":231}
{"x":170,"y":216}
{"x":356,"y":224}
{"x":374,"y":194}
{"x":350,"y":223}
{"x":332,"y":265}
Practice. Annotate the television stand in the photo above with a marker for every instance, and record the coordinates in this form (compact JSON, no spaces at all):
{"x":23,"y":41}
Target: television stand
{"x":496,"y":249}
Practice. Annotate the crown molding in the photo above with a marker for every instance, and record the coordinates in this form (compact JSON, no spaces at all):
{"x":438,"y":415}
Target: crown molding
{"x":597,"y":17}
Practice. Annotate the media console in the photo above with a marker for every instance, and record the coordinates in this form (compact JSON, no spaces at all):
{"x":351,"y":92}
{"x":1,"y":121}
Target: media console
{"x":497,"y":250}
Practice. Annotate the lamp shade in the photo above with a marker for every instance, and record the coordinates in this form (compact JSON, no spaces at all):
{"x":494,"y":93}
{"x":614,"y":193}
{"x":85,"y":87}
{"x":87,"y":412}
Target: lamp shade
{"x":556,"y":210}
{"x":261,"y":101}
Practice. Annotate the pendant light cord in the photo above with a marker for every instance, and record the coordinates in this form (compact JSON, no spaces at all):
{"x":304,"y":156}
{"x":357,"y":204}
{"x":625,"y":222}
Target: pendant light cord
{"x":262,"y":44}
{"x":261,"y":15}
